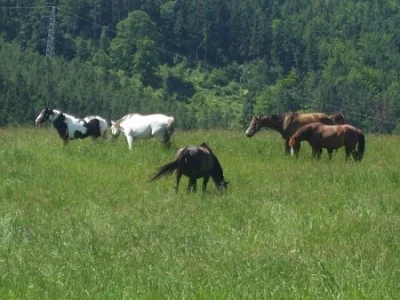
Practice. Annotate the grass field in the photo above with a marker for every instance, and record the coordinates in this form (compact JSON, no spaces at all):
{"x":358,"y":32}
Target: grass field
{"x":84,"y":222}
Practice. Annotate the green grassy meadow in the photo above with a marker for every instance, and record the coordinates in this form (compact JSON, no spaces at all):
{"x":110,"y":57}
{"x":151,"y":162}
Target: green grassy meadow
{"x":83,"y":221}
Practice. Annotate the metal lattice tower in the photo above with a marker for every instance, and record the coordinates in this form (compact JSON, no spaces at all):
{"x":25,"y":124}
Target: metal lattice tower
{"x":51,"y":33}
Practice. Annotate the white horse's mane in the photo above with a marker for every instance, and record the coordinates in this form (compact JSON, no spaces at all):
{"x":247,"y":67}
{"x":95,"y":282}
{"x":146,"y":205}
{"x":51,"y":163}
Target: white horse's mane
{"x":124,"y":118}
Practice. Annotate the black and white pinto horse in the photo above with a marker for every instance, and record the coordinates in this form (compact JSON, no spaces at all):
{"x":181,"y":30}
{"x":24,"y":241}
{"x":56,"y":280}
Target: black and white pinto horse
{"x":70,"y":127}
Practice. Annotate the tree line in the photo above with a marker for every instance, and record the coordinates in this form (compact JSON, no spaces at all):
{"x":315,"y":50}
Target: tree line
{"x":210,"y":63}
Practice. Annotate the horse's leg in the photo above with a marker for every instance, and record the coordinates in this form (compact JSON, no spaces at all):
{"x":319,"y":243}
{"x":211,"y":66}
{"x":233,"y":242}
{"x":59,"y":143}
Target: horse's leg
{"x":319,"y":152}
{"x":205,"y":181}
{"x":347,"y":149}
{"x":287,"y":147}
{"x":330,"y":151}
{"x":129,"y":139}
{"x":65,"y":142}
{"x":297,"y":149}
{"x":166,"y":139}
{"x":314,"y":152}
{"x":354,"y":153}
{"x":178,"y":178}
{"x":192,"y":185}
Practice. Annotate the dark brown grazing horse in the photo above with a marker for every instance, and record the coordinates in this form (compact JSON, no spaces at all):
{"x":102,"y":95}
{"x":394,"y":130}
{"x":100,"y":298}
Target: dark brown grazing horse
{"x":194,"y":162}
{"x":331,"y":137}
{"x":286,"y":124}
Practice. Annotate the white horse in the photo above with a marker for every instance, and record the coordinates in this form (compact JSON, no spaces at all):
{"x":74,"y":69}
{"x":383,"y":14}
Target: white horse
{"x":136,"y":126}
{"x":70,"y":127}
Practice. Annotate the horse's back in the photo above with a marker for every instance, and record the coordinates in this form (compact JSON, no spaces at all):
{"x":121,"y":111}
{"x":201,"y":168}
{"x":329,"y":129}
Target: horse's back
{"x":195,"y":161}
{"x":160,"y":124}
{"x":98,"y":121}
{"x":295,"y":121}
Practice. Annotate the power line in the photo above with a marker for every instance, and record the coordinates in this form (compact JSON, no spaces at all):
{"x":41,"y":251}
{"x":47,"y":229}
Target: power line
{"x":154,"y":47}
{"x":51,"y":39}
{"x":51,"y":34}
{"x":172,"y":54}
{"x":24,"y":7}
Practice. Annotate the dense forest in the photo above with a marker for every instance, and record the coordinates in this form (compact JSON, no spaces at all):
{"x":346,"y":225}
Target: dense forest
{"x":210,"y":63}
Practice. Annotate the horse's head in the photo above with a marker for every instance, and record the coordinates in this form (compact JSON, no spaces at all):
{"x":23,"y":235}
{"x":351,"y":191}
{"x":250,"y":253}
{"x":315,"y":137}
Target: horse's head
{"x":254,"y":126}
{"x":46,"y":114}
{"x":223,"y":186}
{"x":115,"y":129}
{"x":292,"y":141}
{"x":337,"y":119}
{"x":294,"y":145}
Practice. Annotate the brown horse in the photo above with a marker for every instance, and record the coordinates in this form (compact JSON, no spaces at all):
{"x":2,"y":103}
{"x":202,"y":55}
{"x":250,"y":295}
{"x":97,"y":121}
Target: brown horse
{"x":194,"y":162}
{"x":337,"y":118}
{"x":286,"y":124}
{"x":331,"y":137}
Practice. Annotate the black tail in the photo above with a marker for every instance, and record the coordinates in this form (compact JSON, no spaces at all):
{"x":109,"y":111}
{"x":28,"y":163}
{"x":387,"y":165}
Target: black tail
{"x":165,"y":170}
{"x":361,"y":145}
{"x":169,"y":168}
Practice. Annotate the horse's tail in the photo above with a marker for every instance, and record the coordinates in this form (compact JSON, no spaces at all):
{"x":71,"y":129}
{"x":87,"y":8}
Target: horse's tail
{"x":361,"y":145}
{"x":169,"y":168}
{"x":103,"y":127}
{"x":170,"y":127}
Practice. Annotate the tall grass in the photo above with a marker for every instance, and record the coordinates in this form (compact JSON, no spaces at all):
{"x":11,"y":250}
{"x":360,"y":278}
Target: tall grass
{"x":83,"y":221}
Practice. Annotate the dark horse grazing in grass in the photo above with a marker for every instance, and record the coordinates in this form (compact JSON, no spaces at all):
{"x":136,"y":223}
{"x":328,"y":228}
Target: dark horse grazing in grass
{"x":331,"y":137}
{"x":194,"y":162}
{"x":287,"y":124}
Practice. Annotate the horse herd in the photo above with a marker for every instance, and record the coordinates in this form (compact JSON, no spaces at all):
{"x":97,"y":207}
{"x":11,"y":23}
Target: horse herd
{"x":318,"y":129}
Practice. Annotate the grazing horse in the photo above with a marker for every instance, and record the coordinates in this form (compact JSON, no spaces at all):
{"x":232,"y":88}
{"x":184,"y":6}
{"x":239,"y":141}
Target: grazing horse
{"x":194,"y":162}
{"x":70,"y":127}
{"x":331,"y":137}
{"x":286,"y":124}
{"x":136,"y":126}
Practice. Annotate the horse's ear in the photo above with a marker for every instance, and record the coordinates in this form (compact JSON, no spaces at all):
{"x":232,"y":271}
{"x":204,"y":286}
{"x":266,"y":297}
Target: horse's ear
{"x":112,"y":122}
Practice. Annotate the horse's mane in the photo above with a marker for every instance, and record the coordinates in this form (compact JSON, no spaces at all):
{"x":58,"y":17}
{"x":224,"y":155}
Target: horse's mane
{"x":67,"y":116}
{"x":307,"y":127}
{"x":304,"y":118}
{"x":119,"y":121}
{"x":289,"y":118}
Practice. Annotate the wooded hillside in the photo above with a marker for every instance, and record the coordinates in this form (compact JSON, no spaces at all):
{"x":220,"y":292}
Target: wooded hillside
{"x":210,"y":63}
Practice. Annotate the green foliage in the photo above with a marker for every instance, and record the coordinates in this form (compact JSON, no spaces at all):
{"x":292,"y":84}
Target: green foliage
{"x":135,"y":35}
{"x":260,"y":56}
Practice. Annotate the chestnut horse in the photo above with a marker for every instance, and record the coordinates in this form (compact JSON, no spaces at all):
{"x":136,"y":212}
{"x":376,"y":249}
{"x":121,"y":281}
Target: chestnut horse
{"x":330,"y":137}
{"x":287,"y":124}
{"x":194,"y":162}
